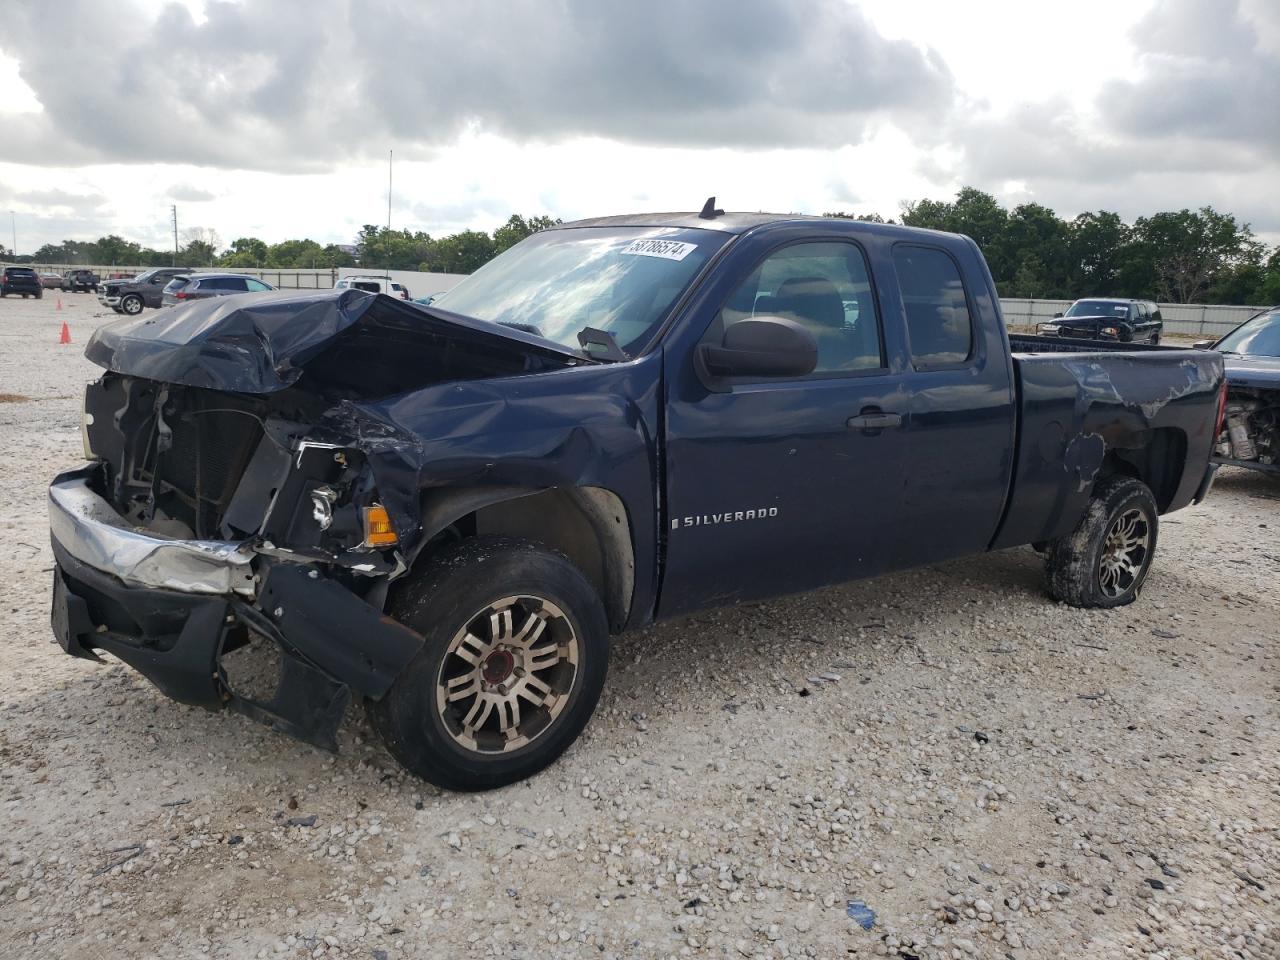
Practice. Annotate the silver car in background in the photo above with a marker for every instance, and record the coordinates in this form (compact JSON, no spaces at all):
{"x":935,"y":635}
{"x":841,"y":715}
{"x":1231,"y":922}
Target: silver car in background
{"x":205,"y":285}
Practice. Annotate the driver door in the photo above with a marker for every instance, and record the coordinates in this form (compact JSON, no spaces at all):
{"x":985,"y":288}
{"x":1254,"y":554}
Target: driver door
{"x":778,"y":485}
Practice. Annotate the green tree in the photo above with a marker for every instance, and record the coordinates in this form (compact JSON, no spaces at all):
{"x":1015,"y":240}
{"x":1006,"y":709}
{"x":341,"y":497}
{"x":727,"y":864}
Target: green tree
{"x":385,"y":249}
{"x":1035,"y":239}
{"x":1095,"y":252}
{"x":517,"y":228}
{"x":1031,"y":279}
{"x":295,"y":253}
{"x":244,"y":252}
{"x":1189,"y":250}
{"x":463,"y":252}
{"x":111,"y":250}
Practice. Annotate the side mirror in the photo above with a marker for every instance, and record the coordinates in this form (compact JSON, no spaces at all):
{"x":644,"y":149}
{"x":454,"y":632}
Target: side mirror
{"x":759,"y":347}
{"x":1058,"y":315}
{"x":1203,"y":344}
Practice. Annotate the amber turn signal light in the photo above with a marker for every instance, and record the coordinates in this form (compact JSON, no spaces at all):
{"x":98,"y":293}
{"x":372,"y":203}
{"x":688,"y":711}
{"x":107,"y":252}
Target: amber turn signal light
{"x":377,"y":527}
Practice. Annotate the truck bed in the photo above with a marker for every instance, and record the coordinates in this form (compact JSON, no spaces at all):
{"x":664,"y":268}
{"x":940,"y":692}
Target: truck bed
{"x":1087,"y":407}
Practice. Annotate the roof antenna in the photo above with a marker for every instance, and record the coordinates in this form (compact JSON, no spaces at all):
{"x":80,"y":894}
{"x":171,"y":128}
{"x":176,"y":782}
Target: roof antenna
{"x":709,"y":211}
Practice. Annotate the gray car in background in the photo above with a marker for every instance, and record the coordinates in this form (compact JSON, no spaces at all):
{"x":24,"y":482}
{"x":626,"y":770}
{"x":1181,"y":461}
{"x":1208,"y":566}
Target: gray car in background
{"x":205,"y":285}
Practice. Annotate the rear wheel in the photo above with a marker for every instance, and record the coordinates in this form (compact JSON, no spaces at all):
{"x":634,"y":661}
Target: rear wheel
{"x":1105,"y":560}
{"x":517,"y":646}
{"x":1155,"y":339}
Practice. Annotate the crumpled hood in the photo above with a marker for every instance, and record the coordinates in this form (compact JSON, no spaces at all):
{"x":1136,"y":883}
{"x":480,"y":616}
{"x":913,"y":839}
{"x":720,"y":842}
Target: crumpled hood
{"x":261,"y":344}
{"x":1262,"y":373}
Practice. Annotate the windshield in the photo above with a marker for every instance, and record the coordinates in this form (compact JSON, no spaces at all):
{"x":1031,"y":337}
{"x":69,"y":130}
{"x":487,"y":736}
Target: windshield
{"x":622,"y":280}
{"x":1259,"y":337}
{"x":1098,"y":308}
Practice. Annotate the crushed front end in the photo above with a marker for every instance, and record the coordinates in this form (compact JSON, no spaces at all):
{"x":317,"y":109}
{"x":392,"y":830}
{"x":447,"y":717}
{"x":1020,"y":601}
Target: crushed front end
{"x":1250,"y":435}
{"x":205,"y":519}
{"x":240,"y":486}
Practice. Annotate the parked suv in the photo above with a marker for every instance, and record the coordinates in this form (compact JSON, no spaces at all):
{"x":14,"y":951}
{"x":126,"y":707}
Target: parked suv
{"x":78,"y":281}
{"x":1107,"y":318}
{"x":206,"y":285}
{"x":21,"y":280}
{"x":374,"y":285}
{"x":144,"y":290}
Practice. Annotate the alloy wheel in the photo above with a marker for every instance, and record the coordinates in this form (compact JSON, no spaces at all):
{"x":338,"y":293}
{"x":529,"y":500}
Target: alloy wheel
{"x":507,"y":675}
{"x":1124,"y":552}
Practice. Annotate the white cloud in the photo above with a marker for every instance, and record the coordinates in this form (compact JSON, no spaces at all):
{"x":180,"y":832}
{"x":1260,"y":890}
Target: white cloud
{"x":258,"y":121}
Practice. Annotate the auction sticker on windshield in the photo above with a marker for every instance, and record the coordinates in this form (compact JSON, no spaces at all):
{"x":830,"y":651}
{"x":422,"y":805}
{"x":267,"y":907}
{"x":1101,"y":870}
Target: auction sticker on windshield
{"x":667,"y":249}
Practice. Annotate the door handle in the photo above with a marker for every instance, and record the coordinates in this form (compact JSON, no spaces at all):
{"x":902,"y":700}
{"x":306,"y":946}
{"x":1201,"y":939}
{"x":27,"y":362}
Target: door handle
{"x":874,"y":420}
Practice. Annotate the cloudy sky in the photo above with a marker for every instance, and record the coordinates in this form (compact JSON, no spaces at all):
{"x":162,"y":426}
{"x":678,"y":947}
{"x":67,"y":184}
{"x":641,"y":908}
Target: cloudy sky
{"x":259,"y":120}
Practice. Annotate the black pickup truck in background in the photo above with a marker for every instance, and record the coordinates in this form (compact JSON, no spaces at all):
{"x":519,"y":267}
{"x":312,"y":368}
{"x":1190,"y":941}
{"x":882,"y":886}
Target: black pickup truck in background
{"x":144,"y":290}
{"x":445,"y":510}
{"x":81,"y":281}
{"x":1107,"y":318}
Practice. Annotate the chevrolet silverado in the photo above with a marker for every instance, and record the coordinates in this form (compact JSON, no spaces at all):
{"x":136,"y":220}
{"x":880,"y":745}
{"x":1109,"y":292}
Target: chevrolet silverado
{"x":446,"y":510}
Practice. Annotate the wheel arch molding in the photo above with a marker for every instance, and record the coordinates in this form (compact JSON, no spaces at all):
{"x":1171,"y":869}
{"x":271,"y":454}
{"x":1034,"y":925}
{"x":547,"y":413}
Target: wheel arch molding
{"x":588,"y":524}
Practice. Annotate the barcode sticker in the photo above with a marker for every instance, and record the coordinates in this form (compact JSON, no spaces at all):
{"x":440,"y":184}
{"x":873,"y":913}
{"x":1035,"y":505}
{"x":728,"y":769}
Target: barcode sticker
{"x":666,"y":249}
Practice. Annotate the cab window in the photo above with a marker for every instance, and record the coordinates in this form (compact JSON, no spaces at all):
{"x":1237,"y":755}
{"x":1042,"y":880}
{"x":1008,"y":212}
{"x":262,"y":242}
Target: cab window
{"x":939,"y":326}
{"x":826,"y":288}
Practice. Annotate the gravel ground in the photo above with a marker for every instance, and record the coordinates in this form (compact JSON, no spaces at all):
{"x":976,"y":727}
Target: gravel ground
{"x":990,"y":773}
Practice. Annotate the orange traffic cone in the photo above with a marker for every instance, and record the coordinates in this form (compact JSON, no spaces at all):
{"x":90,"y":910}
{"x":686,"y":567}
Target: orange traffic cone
{"x":59,"y":303}
{"x":66,"y":333}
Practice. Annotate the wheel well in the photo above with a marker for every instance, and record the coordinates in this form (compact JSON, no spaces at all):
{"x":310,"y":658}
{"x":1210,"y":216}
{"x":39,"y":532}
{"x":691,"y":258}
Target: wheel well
{"x":1157,"y":460}
{"x":589,"y":525}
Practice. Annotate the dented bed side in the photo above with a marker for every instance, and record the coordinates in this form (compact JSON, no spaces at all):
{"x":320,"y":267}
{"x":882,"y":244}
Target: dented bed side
{"x":1085,"y":414}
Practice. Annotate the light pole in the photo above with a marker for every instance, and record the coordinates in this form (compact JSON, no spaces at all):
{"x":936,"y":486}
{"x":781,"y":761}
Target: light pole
{"x":13,"y":225}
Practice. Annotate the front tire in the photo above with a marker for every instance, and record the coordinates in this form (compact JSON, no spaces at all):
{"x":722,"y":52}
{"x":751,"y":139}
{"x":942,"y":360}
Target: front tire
{"x":131,"y":305}
{"x":1105,"y":560}
{"x":517,"y":647}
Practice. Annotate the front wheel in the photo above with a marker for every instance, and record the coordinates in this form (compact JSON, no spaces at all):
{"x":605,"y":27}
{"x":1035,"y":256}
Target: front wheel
{"x":132,"y":305}
{"x":1155,"y":339}
{"x":516,"y":651}
{"x":1105,"y":560}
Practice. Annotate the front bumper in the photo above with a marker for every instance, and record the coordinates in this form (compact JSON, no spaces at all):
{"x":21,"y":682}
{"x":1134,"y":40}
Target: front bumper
{"x":89,"y":529}
{"x":107,"y":301}
{"x":171,"y":609}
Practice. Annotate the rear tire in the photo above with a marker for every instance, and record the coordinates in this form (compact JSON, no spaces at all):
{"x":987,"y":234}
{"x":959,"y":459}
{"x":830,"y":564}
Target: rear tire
{"x":517,"y":647}
{"x":1105,"y":560}
{"x":1155,"y":339}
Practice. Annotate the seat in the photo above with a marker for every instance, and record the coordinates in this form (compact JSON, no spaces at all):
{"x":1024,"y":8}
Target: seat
{"x":812,"y":300}
{"x":816,"y":303}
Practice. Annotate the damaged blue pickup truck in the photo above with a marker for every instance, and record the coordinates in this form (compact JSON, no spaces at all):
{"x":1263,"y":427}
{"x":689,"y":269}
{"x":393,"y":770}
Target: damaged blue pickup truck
{"x":445,"y":511}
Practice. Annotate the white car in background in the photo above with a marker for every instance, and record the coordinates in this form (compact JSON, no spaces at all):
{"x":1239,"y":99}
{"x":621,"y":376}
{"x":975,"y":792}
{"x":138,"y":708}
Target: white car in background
{"x":374,"y":285}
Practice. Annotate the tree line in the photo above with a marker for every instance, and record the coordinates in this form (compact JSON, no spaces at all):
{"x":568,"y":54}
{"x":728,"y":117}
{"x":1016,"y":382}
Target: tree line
{"x":1184,"y":256}
{"x":376,"y":247}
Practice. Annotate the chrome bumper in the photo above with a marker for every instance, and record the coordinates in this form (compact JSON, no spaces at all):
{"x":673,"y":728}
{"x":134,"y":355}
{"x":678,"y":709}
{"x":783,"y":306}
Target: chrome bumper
{"x":88,"y":528}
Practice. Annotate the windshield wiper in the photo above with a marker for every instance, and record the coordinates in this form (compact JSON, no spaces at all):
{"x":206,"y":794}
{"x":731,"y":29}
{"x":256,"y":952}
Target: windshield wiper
{"x":592,"y":337}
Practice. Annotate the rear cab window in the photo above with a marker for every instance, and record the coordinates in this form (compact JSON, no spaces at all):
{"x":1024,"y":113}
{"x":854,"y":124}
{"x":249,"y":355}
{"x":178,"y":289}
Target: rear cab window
{"x":939,"y":322}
